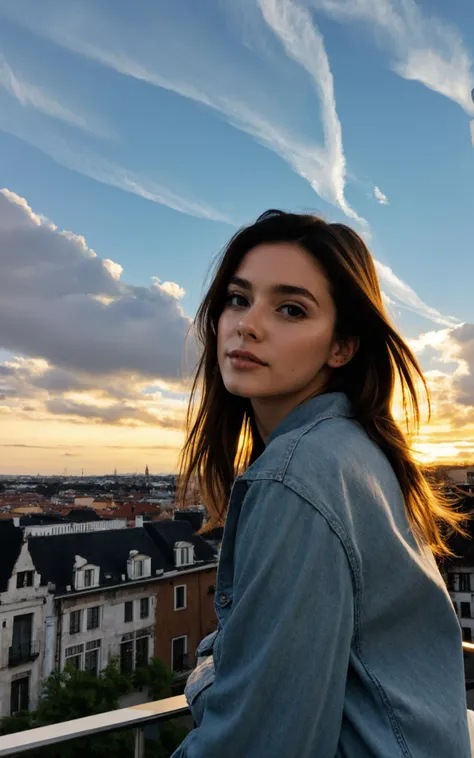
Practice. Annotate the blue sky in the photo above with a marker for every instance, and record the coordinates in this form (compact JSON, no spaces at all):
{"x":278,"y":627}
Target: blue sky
{"x":154,"y":129}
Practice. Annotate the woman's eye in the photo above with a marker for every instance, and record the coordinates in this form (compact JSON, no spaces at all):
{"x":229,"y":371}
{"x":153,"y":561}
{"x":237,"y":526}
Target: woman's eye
{"x":234,"y":300}
{"x":293,"y":311}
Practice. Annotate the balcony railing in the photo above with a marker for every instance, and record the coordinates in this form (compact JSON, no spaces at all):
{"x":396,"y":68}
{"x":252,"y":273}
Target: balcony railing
{"x":125,"y":718}
{"x":135,"y":718}
{"x":23,"y":653}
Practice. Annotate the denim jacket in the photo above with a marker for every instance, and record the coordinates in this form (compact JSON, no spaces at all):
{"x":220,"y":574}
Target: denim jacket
{"x":336,"y":635}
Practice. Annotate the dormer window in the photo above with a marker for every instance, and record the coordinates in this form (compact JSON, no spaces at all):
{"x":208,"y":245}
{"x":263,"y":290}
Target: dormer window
{"x":183,"y":554}
{"x":86,"y":576}
{"x":24,"y":579}
{"x":139,"y":568}
{"x":138,"y":565}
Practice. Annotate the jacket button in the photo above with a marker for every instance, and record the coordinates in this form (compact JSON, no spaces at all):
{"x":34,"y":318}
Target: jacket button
{"x":223,"y":598}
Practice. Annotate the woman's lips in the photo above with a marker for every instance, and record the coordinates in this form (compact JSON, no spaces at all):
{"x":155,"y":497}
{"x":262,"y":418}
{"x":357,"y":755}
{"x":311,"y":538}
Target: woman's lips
{"x":244,"y":360}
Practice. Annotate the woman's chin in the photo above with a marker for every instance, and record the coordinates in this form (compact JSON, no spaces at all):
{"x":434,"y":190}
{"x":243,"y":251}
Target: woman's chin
{"x":243,"y":388}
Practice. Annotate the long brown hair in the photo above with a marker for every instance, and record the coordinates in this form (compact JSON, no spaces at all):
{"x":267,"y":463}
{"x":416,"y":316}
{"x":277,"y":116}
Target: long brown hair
{"x":222,"y":438}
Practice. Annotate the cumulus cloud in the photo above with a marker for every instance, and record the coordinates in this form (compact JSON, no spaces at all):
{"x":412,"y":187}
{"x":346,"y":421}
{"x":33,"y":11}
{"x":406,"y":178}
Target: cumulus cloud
{"x":451,"y":375}
{"x":461,"y":345}
{"x":171,"y":288}
{"x":61,"y":302}
{"x":115,"y":269}
{"x":78,"y":397}
{"x":424,"y":48}
{"x":380,"y":196}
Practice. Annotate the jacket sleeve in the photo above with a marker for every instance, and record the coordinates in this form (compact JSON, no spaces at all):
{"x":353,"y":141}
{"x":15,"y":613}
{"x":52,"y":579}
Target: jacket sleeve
{"x":283,"y":654}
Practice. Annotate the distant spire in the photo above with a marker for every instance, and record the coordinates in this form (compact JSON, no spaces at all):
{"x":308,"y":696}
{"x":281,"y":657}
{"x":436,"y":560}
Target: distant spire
{"x":115,"y":473}
{"x":147,"y":471}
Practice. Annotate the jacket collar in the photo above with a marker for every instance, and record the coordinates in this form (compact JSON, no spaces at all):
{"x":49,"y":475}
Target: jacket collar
{"x":327,"y":405}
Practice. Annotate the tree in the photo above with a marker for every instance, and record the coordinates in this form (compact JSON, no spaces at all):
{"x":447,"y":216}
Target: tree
{"x":73,"y":694}
{"x":157,"y":677}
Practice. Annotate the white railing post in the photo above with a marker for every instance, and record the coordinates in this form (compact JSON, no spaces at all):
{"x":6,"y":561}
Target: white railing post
{"x":139,"y":743}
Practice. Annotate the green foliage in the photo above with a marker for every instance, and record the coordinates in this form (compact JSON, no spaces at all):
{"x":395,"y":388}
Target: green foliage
{"x":73,"y":694}
{"x":157,"y":677}
{"x":17,"y":723}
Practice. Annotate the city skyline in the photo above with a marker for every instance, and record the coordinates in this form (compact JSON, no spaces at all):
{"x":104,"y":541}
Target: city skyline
{"x":133,"y":144}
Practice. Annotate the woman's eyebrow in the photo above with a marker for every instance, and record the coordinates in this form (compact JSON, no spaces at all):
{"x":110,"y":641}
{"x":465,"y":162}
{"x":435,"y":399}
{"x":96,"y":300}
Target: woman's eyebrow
{"x":279,"y":289}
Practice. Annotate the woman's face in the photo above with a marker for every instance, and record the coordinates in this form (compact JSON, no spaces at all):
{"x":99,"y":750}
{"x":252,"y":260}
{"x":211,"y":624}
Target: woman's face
{"x":280,"y":311}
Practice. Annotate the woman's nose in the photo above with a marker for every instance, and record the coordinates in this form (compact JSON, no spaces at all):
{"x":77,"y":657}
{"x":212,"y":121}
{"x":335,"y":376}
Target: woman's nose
{"x":250,"y":326}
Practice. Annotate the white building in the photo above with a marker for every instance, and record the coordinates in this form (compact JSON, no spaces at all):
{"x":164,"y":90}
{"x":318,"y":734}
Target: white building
{"x":83,"y":594}
{"x":78,"y":594}
{"x":23,"y":604}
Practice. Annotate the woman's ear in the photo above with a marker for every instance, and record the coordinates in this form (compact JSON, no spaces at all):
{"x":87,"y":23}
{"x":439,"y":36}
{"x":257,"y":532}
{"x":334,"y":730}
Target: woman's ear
{"x":343,"y":351}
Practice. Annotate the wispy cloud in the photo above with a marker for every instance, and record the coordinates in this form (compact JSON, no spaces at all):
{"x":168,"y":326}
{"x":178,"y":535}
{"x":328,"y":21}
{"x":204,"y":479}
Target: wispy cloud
{"x":380,"y":196}
{"x":84,"y":161}
{"x":304,"y":43}
{"x":311,"y":161}
{"x":31,"y":96}
{"x":321,"y":165}
{"x":107,"y":172}
{"x":424,"y":48}
{"x":401,"y":292}
{"x":163,"y":64}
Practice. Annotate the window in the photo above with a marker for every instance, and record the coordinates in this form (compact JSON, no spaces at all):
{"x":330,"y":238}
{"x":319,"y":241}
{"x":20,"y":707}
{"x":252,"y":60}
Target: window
{"x":19,"y":695}
{"x":180,"y":597}
{"x":87,"y":660}
{"x":144,"y":607}
{"x":88,"y":577}
{"x":465,"y":610}
{"x":455,"y":606}
{"x":141,"y":652}
{"x":139,"y":569}
{"x":128,"y":611}
{"x":73,"y":656}
{"x":24,"y":579}
{"x":467,"y":634}
{"x":126,"y":657}
{"x":464,"y":582}
{"x":138,"y":566}
{"x":75,"y":622}
{"x":183,"y":553}
{"x":179,"y":649}
{"x":22,"y":650}
{"x":451,"y":582}
{"x":93,"y":617}
{"x":91,"y":658}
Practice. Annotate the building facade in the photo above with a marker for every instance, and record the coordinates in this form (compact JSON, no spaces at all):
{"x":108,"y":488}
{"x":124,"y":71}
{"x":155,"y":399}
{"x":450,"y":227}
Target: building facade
{"x":460,"y":582}
{"x":23,"y":605}
{"x":186,"y":615}
{"x":84,"y":594}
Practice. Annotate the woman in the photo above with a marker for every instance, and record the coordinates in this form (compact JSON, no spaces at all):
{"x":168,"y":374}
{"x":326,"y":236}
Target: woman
{"x":336,"y":635}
